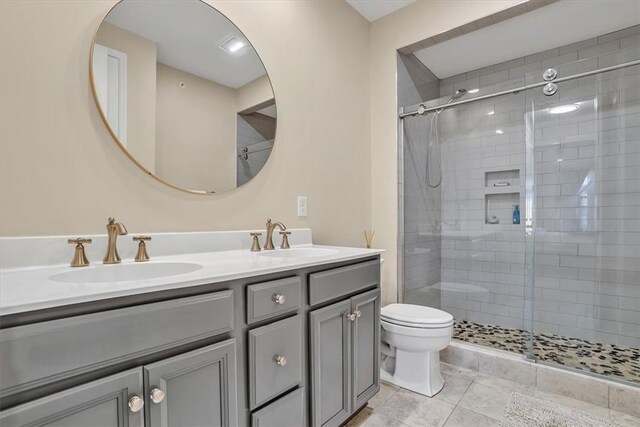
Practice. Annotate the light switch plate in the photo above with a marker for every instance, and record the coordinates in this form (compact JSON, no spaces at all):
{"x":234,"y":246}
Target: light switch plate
{"x":302,"y":205}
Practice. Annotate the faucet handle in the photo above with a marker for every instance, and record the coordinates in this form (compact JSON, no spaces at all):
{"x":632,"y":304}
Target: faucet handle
{"x":285,"y":239}
{"x":255,"y":244}
{"x":79,"y":257}
{"x":79,"y":240}
{"x":142,"y":254}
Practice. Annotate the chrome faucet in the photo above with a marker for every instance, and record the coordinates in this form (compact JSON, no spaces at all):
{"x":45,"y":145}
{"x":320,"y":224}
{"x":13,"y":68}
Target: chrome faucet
{"x":114,"y":229}
{"x":271,"y":226}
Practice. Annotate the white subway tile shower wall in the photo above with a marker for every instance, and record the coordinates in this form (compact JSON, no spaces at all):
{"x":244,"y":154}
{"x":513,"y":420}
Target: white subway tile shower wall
{"x":587,"y":165}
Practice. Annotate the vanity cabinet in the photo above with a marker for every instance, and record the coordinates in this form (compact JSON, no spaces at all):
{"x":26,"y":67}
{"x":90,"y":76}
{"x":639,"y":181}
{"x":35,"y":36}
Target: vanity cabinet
{"x":288,"y":411}
{"x":193,"y":389}
{"x":98,"y":403}
{"x":44,"y":352}
{"x":275,"y":360}
{"x":344,"y":357}
{"x":197,"y":388}
{"x":287,"y":349}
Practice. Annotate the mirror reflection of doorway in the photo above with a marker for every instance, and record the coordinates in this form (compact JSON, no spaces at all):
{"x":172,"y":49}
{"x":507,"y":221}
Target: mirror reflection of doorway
{"x":255,"y":135}
{"x":110,"y":77}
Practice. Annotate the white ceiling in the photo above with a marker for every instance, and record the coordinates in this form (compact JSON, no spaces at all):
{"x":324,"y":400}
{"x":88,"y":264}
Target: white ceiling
{"x":376,"y":9}
{"x":555,"y":25}
{"x":188,"y":33}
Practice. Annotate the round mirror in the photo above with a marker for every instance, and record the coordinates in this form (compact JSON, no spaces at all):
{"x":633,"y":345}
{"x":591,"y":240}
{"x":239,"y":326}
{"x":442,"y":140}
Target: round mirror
{"x":183,"y":93}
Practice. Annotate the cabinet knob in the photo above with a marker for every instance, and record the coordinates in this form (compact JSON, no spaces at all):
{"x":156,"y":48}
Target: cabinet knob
{"x":358,"y":313}
{"x":351,"y":317}
{"x":156,"y":395}
{"x":135,"y":404}
{"x":280,"y":360}
{"x":279,"y":298}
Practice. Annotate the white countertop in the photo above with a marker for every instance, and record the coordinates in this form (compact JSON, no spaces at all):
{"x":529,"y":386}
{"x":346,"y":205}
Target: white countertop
{"x":31,"y":288}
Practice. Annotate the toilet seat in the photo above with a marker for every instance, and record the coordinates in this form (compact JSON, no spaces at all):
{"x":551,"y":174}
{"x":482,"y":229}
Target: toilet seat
{"x":416,"y":316}
{"x":416,"y":325}
{"x":417,"y":332}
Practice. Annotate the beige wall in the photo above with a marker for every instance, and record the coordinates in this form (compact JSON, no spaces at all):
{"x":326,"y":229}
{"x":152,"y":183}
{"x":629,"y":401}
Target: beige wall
{"x":254,"y":93}
{"x":61,"y":173}
{"x":141,"y":89}
{"x":195,"y":131}
{"x":413,"y":23}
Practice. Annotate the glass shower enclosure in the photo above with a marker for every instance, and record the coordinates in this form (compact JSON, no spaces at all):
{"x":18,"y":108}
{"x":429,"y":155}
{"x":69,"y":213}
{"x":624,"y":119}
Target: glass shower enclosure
{"x":520,"y":213}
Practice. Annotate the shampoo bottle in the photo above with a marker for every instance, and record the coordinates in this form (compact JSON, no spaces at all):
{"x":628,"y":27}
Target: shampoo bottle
{"x":516,"y":214}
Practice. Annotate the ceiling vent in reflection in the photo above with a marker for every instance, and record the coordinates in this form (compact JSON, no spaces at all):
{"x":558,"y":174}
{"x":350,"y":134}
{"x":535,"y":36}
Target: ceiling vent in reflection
{"x":233,"y":44}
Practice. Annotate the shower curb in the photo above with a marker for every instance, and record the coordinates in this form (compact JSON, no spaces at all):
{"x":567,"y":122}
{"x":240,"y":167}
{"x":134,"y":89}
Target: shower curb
{"x":580,"y":386}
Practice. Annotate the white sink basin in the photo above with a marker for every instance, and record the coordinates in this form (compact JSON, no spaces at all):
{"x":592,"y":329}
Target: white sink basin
{"x":125,"y":272}
{"x":298,"y":253}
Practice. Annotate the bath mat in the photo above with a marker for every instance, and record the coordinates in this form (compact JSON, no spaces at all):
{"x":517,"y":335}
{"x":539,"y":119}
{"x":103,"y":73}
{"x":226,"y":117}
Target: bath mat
{"x":527,"y":411}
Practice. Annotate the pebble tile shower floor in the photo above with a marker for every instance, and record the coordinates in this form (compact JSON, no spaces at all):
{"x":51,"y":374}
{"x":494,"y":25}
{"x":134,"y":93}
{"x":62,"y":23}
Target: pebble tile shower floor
{"x":597,"y":358}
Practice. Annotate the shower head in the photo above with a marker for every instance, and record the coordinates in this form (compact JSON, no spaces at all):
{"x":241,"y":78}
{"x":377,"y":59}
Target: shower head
{"x":458,"y":94}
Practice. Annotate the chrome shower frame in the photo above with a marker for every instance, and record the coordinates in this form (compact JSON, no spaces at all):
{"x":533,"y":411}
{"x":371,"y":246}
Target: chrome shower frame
{"x":422,"y":108}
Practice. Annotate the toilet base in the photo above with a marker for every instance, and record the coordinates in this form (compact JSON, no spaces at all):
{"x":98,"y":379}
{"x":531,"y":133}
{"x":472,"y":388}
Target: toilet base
{"x":416,"y":371}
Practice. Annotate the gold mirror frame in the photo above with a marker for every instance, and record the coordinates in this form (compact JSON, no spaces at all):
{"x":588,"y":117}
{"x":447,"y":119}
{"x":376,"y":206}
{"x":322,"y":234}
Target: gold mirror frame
{"x":115,"y":137}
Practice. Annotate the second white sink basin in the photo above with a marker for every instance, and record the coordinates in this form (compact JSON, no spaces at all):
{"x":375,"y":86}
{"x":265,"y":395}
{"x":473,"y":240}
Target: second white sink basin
{"x":125,"y":272}
{"x":298,"y":253}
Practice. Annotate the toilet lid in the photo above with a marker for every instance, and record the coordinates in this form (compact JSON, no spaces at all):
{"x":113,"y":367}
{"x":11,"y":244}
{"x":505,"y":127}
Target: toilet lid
{"x":415,"y":314}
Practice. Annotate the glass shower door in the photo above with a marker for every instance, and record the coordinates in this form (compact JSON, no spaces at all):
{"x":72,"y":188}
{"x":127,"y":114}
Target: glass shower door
{"x":462,"y":252}
{"x":583,"y":197}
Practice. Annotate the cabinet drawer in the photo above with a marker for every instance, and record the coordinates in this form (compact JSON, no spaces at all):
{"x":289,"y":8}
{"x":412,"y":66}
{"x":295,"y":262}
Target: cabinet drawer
{"x":288,"y":411}
{"x":269,"y":374}
{"x":263,"y":304}
{"x":45,"y":352}
{"x":331,"y":284}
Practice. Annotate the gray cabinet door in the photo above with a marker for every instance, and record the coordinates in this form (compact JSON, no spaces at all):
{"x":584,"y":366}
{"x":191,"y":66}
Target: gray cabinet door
{"x":330,"y":335}
{"x":101,"y":403}
{"x":366,"y":338}
{"x":199,"y":387}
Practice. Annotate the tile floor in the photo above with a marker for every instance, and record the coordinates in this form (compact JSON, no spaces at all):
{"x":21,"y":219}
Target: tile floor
{"x":603,"y":359}
{"x":469,"y":399}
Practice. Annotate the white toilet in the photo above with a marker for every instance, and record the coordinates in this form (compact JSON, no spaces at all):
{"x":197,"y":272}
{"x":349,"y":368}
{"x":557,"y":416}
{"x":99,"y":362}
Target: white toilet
{"x":415,"y":335}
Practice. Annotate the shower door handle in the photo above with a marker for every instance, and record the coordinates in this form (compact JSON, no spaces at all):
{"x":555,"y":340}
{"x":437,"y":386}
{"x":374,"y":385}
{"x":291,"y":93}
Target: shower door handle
{"x":528,"y":227}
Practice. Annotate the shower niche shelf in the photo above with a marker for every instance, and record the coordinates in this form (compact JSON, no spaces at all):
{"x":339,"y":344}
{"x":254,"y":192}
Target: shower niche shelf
{"x":501,"y":192}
